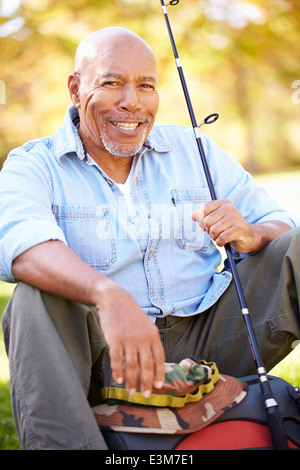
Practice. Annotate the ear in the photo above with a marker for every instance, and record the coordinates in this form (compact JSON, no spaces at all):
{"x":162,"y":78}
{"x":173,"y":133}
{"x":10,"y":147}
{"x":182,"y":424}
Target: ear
{"x":73,"y":85}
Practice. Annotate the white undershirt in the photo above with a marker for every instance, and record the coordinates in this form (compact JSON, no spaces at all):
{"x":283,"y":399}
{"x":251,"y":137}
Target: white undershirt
{"x":126,"y":189}
{"x":138,"y":226}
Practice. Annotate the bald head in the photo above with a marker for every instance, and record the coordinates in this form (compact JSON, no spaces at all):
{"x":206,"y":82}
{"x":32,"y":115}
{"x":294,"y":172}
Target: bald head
{"x":114,"y":87}
{"x":96,"y":43}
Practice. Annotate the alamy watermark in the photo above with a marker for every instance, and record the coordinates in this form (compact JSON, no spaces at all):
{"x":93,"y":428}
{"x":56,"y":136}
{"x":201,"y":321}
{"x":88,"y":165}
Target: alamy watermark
{"x":2,"y":92}
{"x":167,"y":221}
{"x":296,"y":94}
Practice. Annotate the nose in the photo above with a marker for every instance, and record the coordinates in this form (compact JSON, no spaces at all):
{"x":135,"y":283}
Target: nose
{"x":130,"y":99}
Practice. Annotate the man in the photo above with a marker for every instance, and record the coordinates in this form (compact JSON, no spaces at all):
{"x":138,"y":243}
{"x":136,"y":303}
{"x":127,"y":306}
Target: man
{"x":114,"y":275}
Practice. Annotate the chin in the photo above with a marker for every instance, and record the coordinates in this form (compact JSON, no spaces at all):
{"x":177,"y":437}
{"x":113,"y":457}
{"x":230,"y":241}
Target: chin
{"x":128,"y":150}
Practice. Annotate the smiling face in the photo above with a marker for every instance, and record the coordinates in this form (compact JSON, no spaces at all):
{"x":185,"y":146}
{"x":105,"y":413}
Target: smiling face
{"x":114,"y":88}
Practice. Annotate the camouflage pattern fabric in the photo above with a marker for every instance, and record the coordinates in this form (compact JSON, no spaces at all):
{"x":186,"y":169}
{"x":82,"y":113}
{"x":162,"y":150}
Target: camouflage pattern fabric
{"x":193,"y":396}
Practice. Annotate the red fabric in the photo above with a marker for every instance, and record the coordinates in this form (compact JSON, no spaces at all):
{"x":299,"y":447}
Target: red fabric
{"x":230,"y":435}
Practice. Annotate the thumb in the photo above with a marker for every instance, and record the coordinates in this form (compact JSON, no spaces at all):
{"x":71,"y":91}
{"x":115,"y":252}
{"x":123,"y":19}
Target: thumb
{"x":198,"y":216}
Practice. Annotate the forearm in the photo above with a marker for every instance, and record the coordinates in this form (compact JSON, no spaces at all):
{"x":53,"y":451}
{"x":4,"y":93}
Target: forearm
{"x":53,"y":267}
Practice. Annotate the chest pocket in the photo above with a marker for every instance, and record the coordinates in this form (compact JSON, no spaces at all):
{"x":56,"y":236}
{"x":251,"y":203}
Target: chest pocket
{"x":189,"y":235}
{"x":89,"y":233}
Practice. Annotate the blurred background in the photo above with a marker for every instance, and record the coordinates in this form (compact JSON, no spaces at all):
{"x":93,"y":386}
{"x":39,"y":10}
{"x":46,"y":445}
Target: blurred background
{"x":240,"y":58}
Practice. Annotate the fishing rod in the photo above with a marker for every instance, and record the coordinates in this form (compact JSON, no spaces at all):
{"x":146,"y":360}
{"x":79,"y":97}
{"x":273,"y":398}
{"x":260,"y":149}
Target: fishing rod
{"x":274,"y":419}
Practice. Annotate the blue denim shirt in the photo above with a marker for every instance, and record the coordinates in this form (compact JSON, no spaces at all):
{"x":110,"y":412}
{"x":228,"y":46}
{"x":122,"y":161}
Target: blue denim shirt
{"x":50,"y":189}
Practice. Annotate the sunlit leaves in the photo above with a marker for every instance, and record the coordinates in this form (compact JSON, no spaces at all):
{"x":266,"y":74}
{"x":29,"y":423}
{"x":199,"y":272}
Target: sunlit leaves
{"x":240,"y":59}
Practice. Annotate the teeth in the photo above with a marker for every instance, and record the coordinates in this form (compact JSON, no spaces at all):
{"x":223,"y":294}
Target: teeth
{"x":131,"y":126}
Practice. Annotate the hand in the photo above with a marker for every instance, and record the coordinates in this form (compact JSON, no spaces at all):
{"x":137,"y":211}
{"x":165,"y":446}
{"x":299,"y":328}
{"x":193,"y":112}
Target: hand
{"x":136,"y":353}
{"x":225,"y":224}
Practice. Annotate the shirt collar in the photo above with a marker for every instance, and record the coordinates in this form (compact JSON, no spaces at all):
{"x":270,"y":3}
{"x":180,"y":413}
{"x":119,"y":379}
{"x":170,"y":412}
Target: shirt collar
{"x":67,"y":139}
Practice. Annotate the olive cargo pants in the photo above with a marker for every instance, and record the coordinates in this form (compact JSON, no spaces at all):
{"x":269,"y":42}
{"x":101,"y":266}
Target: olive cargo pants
{"x":59,"y":360}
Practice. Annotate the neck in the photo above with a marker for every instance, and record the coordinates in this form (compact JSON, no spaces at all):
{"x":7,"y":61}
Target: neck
{"x":116,"y":168}
{"x":119,"y":169}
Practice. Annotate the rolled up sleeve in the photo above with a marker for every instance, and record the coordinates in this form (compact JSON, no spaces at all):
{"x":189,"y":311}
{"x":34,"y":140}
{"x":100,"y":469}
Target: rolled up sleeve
{"x":236,"y":184}
{"x":26,"y":217}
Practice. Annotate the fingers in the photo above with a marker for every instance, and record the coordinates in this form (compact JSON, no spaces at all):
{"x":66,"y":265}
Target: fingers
{"x":139,"y":365}
{"x":131,"y":364}
{"x":222,"y":231}
{"x":159,"y":366}
{"x":116,"y":363}
{"x":145,"y":368}
{"x":212,"y":218}
{"x":222,"y":221}
{"x":198,"y":216}
{"x":140,"y":372}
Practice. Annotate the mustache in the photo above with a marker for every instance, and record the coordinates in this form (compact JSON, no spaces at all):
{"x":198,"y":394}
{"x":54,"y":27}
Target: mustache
{"x":127,"y":118}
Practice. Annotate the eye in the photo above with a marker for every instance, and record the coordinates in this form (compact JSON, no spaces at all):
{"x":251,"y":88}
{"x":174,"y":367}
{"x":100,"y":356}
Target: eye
{"x":110,"y":84}
{"x":147,"y":86}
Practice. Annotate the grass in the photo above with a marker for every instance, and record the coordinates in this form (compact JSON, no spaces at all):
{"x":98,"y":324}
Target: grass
{"x":286,"y":185}
{"x":8,"y":436}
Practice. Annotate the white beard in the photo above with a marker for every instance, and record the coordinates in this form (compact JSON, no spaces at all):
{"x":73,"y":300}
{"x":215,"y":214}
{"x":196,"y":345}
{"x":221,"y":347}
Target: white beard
{"x":125,"y":150}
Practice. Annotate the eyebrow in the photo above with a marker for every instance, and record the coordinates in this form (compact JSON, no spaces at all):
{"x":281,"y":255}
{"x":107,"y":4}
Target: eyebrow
{"x":120,"y":76}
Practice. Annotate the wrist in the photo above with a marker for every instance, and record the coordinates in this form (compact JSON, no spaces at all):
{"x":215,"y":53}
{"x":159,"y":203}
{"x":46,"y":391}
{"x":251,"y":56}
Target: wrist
{"x":265,"y":232}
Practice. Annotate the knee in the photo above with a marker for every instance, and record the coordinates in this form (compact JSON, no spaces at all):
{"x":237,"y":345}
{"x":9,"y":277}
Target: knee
{"x":287,"y":244}
{"x":22,"y":291}
{"x":290,"y":242}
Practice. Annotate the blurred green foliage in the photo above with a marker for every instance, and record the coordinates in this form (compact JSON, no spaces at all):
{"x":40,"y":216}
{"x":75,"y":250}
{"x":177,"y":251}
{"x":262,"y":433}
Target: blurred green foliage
{"x":240,"y":58}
